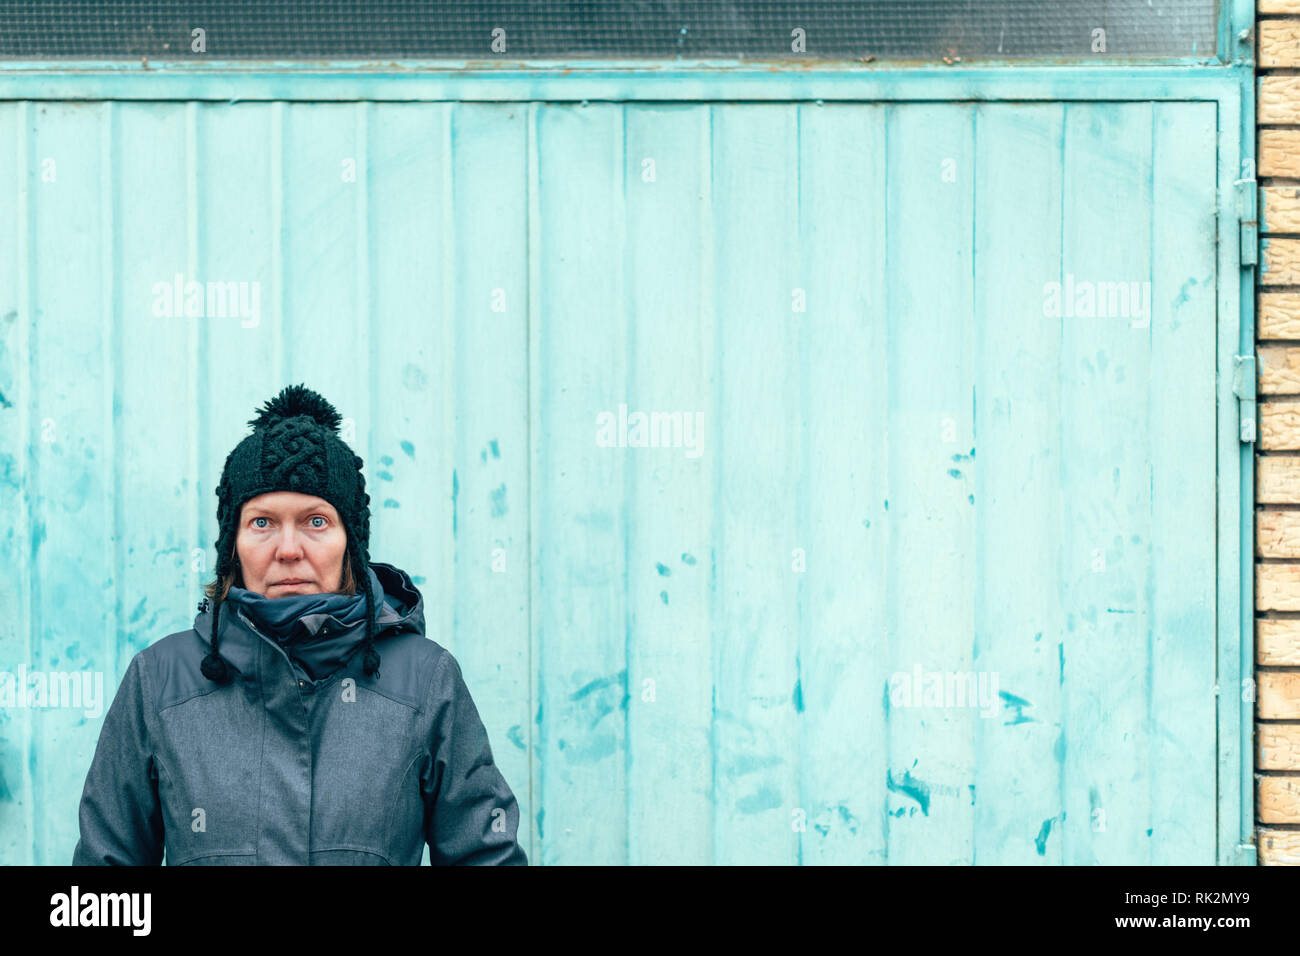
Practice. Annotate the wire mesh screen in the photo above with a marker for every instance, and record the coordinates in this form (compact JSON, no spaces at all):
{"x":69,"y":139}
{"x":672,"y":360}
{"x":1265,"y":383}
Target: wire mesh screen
{"x":613,"y":29}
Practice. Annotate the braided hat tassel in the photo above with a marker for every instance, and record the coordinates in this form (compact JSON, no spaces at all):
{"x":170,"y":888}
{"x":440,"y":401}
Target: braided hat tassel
{"x":214,"y":666}
{"x":370,"y":661}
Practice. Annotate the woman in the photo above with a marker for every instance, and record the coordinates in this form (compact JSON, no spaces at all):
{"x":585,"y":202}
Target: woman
{"x":266,"y":734}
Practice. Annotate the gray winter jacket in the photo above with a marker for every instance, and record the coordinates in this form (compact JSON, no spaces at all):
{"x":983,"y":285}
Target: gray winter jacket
{"x":302,"y":759}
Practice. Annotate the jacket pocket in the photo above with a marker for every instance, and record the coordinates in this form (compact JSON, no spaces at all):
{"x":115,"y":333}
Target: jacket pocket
{"x":218,"y":859}
{"x":208,"y":780}
{"x":348,"y":856}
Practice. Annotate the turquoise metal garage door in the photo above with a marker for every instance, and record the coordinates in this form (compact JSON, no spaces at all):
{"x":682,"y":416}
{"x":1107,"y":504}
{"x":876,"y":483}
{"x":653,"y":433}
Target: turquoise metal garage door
{"x":795,"y":481}
{"x":927,"y":451}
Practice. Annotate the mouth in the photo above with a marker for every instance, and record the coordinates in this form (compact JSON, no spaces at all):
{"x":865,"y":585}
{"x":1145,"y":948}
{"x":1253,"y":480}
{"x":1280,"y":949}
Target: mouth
{"x":289,"y":582}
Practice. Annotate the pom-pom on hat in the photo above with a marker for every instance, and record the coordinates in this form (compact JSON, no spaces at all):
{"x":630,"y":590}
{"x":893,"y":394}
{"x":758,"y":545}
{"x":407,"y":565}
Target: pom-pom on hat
{"x":294,"y":446}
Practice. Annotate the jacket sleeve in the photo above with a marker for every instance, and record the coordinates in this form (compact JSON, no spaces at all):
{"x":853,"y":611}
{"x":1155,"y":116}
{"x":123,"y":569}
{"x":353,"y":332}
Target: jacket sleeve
{"x":121,"y":817}
{"x":471,"y":815}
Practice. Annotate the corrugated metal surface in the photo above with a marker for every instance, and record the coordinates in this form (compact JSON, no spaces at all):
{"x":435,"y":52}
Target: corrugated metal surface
{"x":906,"y":465}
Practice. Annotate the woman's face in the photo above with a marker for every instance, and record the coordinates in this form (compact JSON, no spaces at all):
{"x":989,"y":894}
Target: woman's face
{"x":290,"y":543}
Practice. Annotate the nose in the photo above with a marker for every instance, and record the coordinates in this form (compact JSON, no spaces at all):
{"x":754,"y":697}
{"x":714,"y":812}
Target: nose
{"x":289,"y":545}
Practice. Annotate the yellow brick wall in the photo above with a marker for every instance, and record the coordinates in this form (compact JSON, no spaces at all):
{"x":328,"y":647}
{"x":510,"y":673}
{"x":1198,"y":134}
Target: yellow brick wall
{"x":1277,"y":464}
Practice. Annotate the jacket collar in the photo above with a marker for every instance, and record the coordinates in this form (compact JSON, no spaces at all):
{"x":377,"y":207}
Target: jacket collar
{"x":325,"y":642}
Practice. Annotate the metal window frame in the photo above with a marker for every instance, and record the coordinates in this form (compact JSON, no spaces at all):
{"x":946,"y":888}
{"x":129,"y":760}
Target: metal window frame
{"x":1234,"y":38}
{"x":1234,"y":34}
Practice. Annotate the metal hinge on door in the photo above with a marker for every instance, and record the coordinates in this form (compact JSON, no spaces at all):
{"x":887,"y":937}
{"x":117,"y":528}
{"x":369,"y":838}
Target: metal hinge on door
{"x":1248,"y":217}
{"x":1243,"y":386}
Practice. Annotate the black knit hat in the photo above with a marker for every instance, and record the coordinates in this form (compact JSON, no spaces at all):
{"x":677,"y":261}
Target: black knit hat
{"x":294,"y":447}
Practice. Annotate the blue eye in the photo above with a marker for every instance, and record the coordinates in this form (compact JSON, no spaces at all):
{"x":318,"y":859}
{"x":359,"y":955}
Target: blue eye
{"x":324,"y":522}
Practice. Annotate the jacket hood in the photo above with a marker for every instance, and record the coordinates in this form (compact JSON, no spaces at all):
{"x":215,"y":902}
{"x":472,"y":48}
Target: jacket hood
{"x":323,"y":642}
